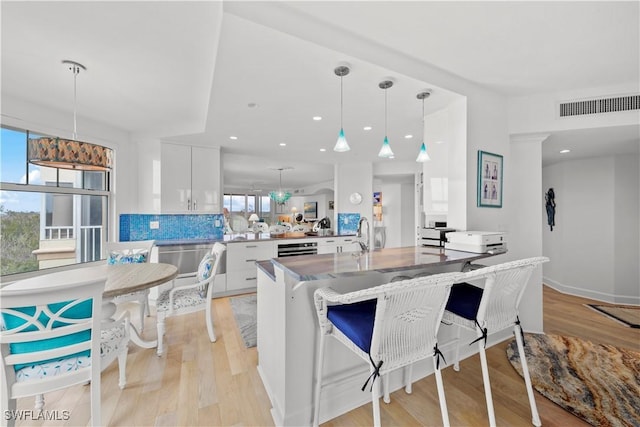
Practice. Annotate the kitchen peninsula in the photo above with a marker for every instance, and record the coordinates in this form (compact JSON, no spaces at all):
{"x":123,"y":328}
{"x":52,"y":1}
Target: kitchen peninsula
{"x":287,"y":325}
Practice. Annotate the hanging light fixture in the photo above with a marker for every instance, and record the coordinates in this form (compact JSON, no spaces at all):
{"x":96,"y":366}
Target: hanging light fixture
{"x":385,"y":151}
{"x":341,"y":143}
{"x":63,"y":153}
{"x":423,"y":156}
{"x":280,"y":196}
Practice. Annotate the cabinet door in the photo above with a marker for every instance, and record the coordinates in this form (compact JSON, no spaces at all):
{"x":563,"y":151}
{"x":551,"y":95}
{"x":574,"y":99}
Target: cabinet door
{"x":205,"y":179}
{"x":348,"y":244}
{"x":175,"y":178}
{"x":327,"y":246}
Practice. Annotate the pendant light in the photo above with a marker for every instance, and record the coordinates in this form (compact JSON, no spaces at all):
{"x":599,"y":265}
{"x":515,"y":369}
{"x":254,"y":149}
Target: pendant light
{"x":341,"y":143}
{"x":280,"y":196}
{"x":71,"y":154}
{"x":385,"y":151}
{"x":423,"y":156}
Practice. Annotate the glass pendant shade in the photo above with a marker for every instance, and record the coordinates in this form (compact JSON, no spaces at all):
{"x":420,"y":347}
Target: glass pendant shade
{"x":341,"y":143}
{"x":280,"y":197}
{"x":385,"y":151}
{"x":423,"y":156}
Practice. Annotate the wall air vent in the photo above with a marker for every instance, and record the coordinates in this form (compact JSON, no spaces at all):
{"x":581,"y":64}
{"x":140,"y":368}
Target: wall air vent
{"x":600,"y":105}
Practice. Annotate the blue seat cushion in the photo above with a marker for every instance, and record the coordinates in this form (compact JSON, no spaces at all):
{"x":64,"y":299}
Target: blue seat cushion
{"x":80,"y":311}
{"x":464,"y":300}
{"x":355,"y":321}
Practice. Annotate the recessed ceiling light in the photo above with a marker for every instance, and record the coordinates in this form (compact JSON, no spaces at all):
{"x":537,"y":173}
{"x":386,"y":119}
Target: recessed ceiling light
{"x":283,"y":144}
{"x":367,"y":128}
{"x":408,"y":136}
{"x":564,"y":151}
{"x":233,"y":137}
{"x":323,"y":149}
{"x":317,"y":118}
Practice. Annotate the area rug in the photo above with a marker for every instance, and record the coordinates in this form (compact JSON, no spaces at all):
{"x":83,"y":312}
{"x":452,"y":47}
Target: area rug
{"x":629,"y":316}
{"x":244,"y":310}
{"x":598,"y":383}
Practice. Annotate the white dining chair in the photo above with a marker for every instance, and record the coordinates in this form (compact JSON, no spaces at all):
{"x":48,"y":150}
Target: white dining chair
{"x":134,"y":252}
{"x":490,"y":305}
{"x":191,"y":298}
{"x":50,"y":339}
{"x":390,"y":326}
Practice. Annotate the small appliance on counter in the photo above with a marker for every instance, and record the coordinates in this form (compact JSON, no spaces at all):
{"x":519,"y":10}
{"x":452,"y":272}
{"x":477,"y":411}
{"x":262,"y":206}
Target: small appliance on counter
{"x":481,"y":242}
{"x":434,"y":236}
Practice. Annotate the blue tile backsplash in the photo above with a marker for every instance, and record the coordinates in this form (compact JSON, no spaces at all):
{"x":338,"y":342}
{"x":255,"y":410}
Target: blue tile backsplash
{"x":348,"y":223}
{"x":134,"y":227}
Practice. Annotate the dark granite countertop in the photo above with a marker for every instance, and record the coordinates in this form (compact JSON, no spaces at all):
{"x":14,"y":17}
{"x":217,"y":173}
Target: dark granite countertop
{"x":240,"y":237}
{"x":327,"y":266}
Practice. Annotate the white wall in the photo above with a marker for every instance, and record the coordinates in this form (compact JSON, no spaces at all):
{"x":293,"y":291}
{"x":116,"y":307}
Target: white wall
{"x":539,"y":113}
{"x":594,"y":246}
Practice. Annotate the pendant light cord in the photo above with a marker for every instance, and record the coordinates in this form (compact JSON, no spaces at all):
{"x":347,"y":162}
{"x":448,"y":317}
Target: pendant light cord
{"x":76,"y":71}
{"x":385,"y":112}
{"x":341,"y":103}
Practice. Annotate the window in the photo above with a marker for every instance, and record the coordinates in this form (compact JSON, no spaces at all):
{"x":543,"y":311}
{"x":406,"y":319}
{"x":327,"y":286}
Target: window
{"x":50,"y":217}
{"x":247,"y":204}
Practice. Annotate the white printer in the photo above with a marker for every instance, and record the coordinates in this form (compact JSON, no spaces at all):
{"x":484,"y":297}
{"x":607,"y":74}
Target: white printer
{"x":492,"y":242}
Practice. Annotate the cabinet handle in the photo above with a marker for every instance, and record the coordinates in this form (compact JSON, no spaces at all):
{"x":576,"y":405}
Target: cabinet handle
{"x":330,"y":241}
{"x":347,"y":240}
{"x":251,"y":246}
{"x":250,"y":278}
{"x":188,"y":204}
{"x":195,"y":205}
{"x":250,"y":260}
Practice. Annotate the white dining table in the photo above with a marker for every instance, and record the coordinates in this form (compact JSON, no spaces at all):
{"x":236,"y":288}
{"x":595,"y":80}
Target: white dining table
{"x":120,"y":279}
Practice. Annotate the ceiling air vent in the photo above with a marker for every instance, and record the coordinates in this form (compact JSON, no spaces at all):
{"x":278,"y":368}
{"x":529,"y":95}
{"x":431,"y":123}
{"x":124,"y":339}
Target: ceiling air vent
{"x":602,"y":105}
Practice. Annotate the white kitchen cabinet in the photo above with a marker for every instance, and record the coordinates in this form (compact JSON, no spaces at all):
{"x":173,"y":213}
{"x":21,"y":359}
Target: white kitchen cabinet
{"x":241,"y":262}
{"x":190,"y":178}
{"x":337,"y":244}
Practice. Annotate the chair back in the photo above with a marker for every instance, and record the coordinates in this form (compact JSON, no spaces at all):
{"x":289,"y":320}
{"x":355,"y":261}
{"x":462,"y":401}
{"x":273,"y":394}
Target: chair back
{"x":48,"y":318}
{"x":129,"y":252}
{"x":260,"y":227}
{"x":277,"y":229}
{"x":503,"y":289}
{"x":215,"y":257}
{"x":407,"y":317}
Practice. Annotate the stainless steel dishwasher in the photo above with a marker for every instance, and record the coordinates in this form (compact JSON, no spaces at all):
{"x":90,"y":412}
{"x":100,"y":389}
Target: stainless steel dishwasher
{"x":187,"y":256}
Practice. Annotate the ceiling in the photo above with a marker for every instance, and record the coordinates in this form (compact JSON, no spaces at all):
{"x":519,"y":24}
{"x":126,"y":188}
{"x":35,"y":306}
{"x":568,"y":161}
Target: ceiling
{"x":187,"y":72}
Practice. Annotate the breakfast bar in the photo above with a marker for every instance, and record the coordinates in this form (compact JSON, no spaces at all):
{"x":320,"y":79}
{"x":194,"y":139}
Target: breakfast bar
{"x":287,"y":325}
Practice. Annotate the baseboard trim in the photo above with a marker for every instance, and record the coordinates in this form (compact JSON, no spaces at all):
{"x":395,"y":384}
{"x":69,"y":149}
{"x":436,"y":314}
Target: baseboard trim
{"x":594,"y":295}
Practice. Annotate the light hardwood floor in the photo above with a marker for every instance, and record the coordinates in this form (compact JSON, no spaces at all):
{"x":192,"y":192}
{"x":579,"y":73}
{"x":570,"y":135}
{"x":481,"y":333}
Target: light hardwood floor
{"x":200,"y":383}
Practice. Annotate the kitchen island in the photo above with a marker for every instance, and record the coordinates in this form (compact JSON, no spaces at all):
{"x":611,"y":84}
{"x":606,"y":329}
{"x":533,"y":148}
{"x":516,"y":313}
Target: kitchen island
{"x":237,"y":274}
{"x":288,"y":331}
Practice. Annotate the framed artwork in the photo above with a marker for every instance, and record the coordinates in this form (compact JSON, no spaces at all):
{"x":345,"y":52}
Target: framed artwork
{"x":330,"y":205}
{"x":489,"y":180}
{"x":311,"y":210}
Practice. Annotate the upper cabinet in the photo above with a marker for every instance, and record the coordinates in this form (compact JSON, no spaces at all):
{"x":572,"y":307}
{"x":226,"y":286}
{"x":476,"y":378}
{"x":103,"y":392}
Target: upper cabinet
{"x":190,"y":179}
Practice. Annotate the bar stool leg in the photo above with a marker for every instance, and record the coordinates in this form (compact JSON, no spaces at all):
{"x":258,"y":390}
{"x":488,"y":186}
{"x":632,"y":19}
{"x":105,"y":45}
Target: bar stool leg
{"x":535,"y":418}
{"x":375,"y":401}
{"x":316,"y":394}
{"x":408,"y":388}
{"x":456,"y":363}
{"x":487,"y":384}
{"x":441,"y":397}
{"x":385,"y":388}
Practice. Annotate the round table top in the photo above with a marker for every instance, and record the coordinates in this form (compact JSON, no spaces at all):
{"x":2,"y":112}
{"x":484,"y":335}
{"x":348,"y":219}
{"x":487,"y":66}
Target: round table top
{"x":120,"y":279}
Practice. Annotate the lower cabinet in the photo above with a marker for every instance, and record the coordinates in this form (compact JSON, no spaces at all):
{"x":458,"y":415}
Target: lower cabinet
{"x":241,"y":263}
{"x":332,"y":245}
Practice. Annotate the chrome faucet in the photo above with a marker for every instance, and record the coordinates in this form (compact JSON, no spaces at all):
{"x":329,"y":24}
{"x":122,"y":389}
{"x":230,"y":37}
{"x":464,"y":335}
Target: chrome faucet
{"x":363,"y":242}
